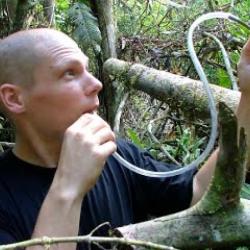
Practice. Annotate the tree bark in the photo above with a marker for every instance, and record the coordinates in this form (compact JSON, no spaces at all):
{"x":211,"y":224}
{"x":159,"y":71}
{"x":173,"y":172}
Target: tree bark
{"x":220,"y":220}
{"x":48,"y":6}
{"x":23,"y":6}
{"x":177,"y":91}
{"x":114,"y":78}
{"x":12,"y":5}
{"x":104,"y":11}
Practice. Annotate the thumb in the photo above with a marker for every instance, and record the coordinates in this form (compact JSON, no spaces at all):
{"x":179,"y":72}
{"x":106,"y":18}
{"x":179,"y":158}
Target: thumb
{"x":245,"y":54}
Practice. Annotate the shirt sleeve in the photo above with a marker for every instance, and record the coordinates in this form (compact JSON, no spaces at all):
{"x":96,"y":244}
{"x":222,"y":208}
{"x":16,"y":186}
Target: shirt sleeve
{"x":159,"y":196}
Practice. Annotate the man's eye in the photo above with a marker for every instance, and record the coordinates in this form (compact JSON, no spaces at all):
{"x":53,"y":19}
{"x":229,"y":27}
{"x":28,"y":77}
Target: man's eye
{"x":69,"y":73}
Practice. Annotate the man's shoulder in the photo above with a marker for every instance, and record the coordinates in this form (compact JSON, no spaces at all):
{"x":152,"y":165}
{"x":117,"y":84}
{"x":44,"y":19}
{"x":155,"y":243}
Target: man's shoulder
{"x":7,"y":180}
{"x":126,"y":146}
{"x":5,"y":154}
{"x":123,"y":142}
{"x":8,"y":173}
{"x":6,"y":158}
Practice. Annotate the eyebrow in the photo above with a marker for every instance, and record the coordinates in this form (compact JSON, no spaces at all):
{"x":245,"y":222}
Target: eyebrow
{"x":76,"y":61}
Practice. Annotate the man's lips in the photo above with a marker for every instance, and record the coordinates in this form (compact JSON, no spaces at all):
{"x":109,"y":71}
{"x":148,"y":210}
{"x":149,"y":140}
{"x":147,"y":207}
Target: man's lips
{"x":92,"y":109}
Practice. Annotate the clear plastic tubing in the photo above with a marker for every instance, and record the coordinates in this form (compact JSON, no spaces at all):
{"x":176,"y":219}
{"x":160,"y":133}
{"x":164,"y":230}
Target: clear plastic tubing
{"x":211,"y":102}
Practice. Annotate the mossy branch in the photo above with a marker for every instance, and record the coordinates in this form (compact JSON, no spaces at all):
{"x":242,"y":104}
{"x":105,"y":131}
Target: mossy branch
{"x":182,"y":92}
{"x":220,"y":219}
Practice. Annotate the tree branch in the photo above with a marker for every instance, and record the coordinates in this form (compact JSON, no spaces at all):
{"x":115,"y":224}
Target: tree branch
{"x":185,"y":93}
{"x":47,"y":241}
{"x":220,"y":219}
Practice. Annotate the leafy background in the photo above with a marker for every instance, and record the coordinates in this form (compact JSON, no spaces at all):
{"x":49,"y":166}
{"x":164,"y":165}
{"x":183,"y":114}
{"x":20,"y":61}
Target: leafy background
{"x":151,"y":32}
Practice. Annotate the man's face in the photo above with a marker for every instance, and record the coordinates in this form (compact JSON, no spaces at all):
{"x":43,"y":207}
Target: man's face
{"x":63,"y":89}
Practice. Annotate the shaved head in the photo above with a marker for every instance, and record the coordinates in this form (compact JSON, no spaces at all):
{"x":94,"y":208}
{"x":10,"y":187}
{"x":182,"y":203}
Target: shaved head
{"x":22,"y":52}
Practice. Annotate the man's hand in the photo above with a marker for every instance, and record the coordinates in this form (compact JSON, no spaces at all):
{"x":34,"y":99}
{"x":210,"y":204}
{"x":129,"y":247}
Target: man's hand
{"x":244,"y":69}
{"x":87,"y":144}
{"x":243,"y":111}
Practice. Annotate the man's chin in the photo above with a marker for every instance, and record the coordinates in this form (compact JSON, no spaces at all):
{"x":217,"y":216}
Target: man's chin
{"x":94,"y":112}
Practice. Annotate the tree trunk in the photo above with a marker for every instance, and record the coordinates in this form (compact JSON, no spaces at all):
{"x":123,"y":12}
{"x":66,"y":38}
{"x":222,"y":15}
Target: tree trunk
{"x":175,"y":90}
{"x":48,"y":6}
{"x":7,"y":16}
{"x":16,"y":13}
{"x":104,"y":11}
{"x":220,"y":220}
{"x":12,"y":6}
{"x":22,"y":9}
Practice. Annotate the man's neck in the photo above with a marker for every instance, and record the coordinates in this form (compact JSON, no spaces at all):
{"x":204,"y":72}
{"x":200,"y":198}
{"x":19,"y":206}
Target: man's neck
{"x":37,"y":151}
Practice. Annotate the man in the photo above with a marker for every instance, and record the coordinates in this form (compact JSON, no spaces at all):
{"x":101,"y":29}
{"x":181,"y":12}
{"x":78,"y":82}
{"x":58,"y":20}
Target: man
{"x":243,"y":112}
{"x":61,"y":179}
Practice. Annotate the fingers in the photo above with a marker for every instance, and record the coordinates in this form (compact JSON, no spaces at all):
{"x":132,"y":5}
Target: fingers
{"x":83,"y":121}
{"x":91,"y":129}
{"x":246,"y":48}
{"x":91,"y":123}
{"x":96,"y":124}
{"x":107,"y":148}
{"x":87,"y":144}
{"x":244,"y":69}
{"x":104,"y":134}
{"x":245,"y":54}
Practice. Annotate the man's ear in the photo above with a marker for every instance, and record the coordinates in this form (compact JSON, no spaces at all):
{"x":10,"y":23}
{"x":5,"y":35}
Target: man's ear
{"x":12,"y":98}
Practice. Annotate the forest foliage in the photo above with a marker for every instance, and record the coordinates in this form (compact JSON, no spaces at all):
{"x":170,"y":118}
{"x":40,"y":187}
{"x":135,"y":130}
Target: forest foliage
{"x":151,"y":32}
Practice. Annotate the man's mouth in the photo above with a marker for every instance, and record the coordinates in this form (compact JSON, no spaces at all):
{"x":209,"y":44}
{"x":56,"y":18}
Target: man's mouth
{"x":92,"y":109}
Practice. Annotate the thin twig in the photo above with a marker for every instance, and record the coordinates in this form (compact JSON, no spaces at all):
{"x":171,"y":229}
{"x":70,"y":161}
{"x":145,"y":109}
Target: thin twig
{"x":177,"y":5}
{"x":56,"y":240}
{"x":119,"y":113}
{"x":226,"y":60}
{"x":96,"y":229}
{"x":232,"y":4}
{"x":52,"y":14}
{"x":156,"y":141}
{"x":153,"y":117}
{"x":7,"y":144}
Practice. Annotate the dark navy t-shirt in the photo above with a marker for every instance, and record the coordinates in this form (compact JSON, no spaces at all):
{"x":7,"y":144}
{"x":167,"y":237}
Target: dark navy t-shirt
{"x":119,"y":197}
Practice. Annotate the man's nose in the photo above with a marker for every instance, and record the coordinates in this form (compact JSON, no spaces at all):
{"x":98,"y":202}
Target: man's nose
{"x":93,"y":87}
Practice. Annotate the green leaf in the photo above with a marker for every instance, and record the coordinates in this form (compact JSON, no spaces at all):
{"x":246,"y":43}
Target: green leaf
{"x":245,"y":191}
{"x":135,"y":138}
{"x":223,"y":78}
{"x":85,"y":26}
